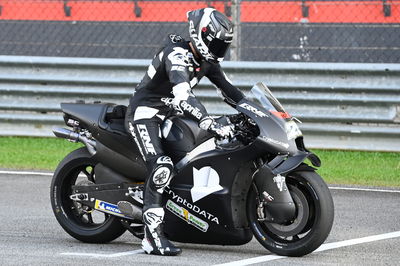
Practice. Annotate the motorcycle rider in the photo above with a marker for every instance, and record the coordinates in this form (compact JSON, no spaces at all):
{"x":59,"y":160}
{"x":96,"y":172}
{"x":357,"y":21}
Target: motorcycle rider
{"x":174,"y":71}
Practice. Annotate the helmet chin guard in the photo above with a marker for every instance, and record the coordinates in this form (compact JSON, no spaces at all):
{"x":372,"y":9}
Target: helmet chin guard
{"x":211,"y":33}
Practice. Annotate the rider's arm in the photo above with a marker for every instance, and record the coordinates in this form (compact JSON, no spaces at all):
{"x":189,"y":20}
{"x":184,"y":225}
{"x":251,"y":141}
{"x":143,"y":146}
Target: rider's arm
{"x":177,"y":68}
{"x":231,"y":93}
{"x":179,"y":75}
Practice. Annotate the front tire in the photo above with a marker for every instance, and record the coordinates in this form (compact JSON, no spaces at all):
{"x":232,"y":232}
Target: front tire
{"x":80,"y":221}
{"x":313,"y":221}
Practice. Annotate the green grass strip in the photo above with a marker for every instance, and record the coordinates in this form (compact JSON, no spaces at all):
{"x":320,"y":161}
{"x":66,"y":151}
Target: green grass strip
{"x":33,"y":153}
{"x":338,"y":167}
{"x":360,"y":167}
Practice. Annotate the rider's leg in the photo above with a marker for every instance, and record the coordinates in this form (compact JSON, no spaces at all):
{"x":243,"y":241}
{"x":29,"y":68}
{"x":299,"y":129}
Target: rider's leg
{"x":154,"y":241}
{"x":146,"y":133}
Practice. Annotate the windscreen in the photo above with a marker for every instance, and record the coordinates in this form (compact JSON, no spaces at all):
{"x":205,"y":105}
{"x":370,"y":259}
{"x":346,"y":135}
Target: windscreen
{"x":265,"y":98}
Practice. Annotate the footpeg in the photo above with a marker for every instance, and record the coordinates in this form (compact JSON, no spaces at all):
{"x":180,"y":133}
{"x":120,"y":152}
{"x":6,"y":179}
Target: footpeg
{"x":130,"y":210}
{"x":136,"y":193}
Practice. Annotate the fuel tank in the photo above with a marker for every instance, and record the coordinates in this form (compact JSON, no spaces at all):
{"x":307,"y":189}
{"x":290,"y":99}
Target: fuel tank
{"x":181,"y":135}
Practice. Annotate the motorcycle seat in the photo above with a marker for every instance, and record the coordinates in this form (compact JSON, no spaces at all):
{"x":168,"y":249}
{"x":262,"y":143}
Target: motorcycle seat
{"x":115,"y":112}
{"x":114,"y":119}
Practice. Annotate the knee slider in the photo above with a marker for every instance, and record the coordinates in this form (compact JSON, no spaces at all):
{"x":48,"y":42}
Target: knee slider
{"x":162,"y":174}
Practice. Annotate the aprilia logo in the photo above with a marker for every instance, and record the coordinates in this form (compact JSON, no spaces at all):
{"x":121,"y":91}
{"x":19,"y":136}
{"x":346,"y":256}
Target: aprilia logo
{"x":191,"y":109}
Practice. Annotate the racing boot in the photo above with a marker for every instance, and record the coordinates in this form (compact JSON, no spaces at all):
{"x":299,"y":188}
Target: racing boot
{"x":154,"y":241}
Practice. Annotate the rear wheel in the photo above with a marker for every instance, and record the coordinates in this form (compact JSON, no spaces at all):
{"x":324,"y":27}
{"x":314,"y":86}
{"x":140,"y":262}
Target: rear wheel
{"x":313,"y":221}
{"x":81,"y":222}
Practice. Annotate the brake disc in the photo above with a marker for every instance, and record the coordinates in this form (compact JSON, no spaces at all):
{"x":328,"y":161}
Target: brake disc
{"x":297,"y":225}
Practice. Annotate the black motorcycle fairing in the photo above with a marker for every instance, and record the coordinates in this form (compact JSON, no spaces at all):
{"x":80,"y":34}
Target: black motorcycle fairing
{"x":272,"y":129}
{"x":133,"y":167}
{"x":197,"y":219}
{"x":93,"y":114}
{"x":105,"y":121}
{"x":105,"y":175}
{"x":239,"y":191}
{"x":289,"y":163}
{"x":87,"y":114}
{"x":314,"y":159}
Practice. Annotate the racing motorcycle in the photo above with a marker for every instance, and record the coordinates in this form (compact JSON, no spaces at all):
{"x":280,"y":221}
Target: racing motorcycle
{"x":259,"y":183}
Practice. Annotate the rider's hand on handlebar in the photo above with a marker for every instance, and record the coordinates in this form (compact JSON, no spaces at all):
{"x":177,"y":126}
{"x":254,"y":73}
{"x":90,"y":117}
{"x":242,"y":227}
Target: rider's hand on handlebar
{"x":209,"y":124}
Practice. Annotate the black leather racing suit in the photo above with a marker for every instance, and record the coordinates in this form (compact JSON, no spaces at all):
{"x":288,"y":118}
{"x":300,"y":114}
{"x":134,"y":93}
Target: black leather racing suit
{"x":172,"y":73}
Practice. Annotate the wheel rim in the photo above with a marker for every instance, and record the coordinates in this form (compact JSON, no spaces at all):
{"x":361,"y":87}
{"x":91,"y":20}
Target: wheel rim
{"x":298,"y":229}
{"x":297,"y":225}
{"x":83,"y":217}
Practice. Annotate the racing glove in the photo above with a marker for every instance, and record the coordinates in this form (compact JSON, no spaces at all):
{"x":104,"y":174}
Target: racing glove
{"x":209,"y":124}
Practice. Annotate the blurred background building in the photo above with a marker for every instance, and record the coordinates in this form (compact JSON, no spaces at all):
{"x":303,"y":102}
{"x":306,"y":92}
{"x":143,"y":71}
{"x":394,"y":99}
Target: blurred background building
{"x":363,"y":31}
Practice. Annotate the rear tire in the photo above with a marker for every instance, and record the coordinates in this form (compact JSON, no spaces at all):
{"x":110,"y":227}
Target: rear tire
{"x":77,"y":220}
{"x":313,"y":222}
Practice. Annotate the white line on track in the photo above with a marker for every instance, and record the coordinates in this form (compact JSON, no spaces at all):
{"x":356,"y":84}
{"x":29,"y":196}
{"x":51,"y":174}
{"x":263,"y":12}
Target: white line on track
{"x":365,"y":189}
{"x":323,"y":247}
{"x":11,"y":172}
{"x":24,"y":173}
{"x":97,"y":255}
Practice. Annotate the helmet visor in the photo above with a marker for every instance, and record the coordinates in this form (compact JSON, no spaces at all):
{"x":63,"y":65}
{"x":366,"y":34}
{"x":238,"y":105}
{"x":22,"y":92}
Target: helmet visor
{"x":218,"y":47}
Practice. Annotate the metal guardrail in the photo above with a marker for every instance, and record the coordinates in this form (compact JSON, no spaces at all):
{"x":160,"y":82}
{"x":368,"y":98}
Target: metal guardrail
{"x":342,"y":106}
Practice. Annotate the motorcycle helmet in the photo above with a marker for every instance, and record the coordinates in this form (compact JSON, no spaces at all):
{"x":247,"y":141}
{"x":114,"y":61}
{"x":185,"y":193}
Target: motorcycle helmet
{"x":211,"y":33}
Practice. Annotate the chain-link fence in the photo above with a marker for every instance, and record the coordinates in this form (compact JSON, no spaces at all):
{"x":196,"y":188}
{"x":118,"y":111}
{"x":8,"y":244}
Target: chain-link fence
{"x":279,"y":30}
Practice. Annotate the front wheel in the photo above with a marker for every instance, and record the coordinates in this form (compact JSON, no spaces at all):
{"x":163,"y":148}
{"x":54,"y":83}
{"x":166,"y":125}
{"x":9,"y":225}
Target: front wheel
{"x":313,"y":221}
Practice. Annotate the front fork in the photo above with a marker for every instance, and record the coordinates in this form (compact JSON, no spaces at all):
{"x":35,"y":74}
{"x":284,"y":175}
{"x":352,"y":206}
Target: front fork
{"x":274,"y":197}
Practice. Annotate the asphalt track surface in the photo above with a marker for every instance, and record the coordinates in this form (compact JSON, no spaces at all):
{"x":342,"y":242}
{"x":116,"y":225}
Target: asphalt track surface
{"x":366,"y":232}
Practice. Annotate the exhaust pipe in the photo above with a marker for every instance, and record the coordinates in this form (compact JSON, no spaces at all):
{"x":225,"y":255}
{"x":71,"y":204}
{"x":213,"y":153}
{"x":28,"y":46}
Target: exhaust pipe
{"x":73,"y":136}
{"x":66,"y":134}
{"x":130,"y":210}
